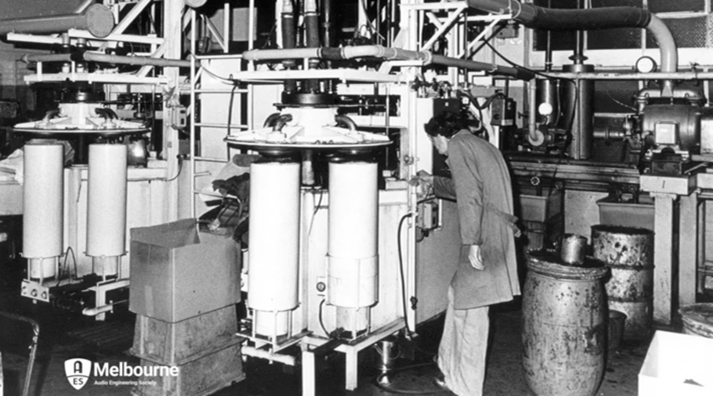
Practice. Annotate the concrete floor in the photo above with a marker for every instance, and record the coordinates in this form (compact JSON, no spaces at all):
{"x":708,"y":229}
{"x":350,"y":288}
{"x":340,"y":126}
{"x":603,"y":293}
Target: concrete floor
{"x":64,"y":336}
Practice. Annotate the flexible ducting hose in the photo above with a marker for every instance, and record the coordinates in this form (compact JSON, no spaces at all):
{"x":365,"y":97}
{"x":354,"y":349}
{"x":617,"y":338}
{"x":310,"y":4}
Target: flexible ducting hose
{"x":590,"y":19}
{"x":565,"y":19}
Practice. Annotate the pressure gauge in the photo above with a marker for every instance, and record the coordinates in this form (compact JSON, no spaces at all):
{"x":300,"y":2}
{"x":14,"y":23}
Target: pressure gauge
{"x":646,"y":64}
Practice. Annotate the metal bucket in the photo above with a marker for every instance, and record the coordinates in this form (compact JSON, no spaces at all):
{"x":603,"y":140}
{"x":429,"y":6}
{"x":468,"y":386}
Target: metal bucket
{"x":617,"y":321}
{"x":698,"y":319}
{"x":564,"y":326}
{"x":573,"y":249}
{"x":629,"y":252}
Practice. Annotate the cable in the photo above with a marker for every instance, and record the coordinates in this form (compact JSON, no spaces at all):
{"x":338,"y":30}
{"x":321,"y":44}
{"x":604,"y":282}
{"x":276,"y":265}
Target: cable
{"x":180,"y":168}
{"x":401,"y":270}
{"x":619,"y":102}
{"x":321,"y":323}
{"x":316,"y":209}
{"x":224,"y":80}
{"x":230,"y":117}
{"x":74,"y":259}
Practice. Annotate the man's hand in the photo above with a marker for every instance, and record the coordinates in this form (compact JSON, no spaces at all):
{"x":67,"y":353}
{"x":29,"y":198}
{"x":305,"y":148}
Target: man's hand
{"x":476,"y":260}
{"x":422,"y":178}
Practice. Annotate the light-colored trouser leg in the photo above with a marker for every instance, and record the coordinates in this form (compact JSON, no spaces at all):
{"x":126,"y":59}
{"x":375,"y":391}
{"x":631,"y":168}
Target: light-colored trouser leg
{"x":461,"y":353}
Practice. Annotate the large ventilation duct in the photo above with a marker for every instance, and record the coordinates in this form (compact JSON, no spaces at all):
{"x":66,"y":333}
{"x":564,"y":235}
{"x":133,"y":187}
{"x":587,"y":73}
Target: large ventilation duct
{"x":590,"y":19}
{"x":97,"y":19}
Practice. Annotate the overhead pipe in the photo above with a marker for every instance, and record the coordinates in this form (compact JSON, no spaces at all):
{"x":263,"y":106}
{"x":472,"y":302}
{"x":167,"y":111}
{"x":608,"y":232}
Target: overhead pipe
{"x":590,"y":19}
{"x":97,"y":19}
{"x":328,"y":32}
{"x":311,"y":20}
{"x":289,"y":40}
{"x":388,"y":53}
{"x":104,"y":58}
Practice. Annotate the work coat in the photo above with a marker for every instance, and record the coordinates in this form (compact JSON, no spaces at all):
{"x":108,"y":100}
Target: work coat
{"x":481,"y":186}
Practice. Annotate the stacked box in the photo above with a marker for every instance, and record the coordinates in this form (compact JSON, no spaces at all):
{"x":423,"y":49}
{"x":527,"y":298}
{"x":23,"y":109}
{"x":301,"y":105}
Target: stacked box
{"x":199,"y":377}
{"x":181,"y":342}
{"x":184,"y":287}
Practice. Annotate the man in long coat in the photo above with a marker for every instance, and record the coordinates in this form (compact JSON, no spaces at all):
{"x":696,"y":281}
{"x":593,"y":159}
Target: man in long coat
{"x":487,"y":269}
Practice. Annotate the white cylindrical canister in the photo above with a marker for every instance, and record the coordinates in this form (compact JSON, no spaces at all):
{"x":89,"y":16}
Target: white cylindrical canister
{"x":106,"y":195}
{"x":43,"y":200}
{"x":352,"y":266}
{"x":274,"y":236}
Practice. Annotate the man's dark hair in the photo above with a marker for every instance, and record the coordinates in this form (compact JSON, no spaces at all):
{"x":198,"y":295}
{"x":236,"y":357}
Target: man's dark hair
{"x":446,"y":124}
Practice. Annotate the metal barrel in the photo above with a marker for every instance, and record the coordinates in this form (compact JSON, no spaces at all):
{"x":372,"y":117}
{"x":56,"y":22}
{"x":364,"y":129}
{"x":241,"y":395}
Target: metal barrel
{"x":698,"y":319}
{"x":629,"y":253}
{"x":564,"y":326}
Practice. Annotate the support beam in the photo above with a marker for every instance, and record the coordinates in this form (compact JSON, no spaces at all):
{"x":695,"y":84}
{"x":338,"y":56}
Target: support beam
{"x":663,"y":256}
{"x":687,"y":249}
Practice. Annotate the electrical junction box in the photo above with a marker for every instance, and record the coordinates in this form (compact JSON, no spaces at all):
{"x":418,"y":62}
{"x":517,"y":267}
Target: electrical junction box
{"x":428,"y":215}
{"x":503,"y":111}
{"x":180,"y":117}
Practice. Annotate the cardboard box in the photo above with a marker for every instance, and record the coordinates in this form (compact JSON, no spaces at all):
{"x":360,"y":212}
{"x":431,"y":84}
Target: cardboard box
{"x":627,"y":214}
{"x":677,"y":364}
{"x":178,"y":273}
{"x":541,"y":208}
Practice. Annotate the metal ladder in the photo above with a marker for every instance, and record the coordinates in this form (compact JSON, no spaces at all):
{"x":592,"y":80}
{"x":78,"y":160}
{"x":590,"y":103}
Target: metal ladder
{"x":235,"y":95}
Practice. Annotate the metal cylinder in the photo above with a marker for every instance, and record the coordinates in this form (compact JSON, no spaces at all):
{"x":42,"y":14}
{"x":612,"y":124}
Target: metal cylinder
{"x":106,"y":205}
{"x":564,"y":326}
{"x":578,"y":110}
{"x":629,"y":253}
{"x":548,"y":95}
{"x":43,"y":203}
{"x":573,"y":248}
{"x":274,"y":242}
{"x":696,"y":319}
{"x":97,"y":19}
{"x":352,"y":266}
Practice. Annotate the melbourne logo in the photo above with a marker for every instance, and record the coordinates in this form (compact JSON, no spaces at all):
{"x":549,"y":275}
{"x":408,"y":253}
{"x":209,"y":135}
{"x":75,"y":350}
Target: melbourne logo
{"x":77,"y":371}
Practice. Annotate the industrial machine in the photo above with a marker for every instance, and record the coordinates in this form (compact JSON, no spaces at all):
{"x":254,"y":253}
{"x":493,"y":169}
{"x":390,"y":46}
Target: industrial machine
{"x":86,"y":133}
{"x":343,"y":253}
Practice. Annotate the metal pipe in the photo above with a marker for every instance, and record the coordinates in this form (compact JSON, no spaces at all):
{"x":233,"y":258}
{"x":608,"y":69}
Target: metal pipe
{"x":269,"y":356}
{"x":667,"y":46}
{"x":99,"y":310}
{"x":608,"y":133}
{"x":97,"y":19}
{"x":115,"y":59}
{"x":311,"y":20}
{"x":288,"y":39}
{"x":520,"y":74}
{"x":590,"y":19}
{"x":388,"y":53}
{"x":532,"y":111}
{"x":328,"y":34}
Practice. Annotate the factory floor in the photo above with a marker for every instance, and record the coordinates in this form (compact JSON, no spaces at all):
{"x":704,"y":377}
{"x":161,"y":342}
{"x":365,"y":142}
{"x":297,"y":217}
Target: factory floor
{"x":65,"y":336}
